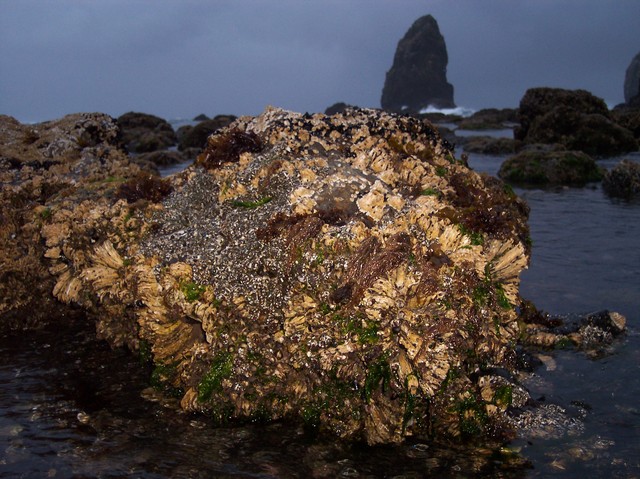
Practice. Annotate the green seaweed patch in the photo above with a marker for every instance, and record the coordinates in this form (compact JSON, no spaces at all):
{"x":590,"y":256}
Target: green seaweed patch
{"x":145,"y":354}
{"x":46,"y":213}
{"x":162,"y":379}
{"x":221,"y":369}
{"x":480,"y":295}
{"x":563,"y":342}
{"x":192,"y":291}
{"x":431,"y":192}
{"x":472,"y":416}
{"x":503,"y":396}
{"x":477,"y":238}
{"x":252,"y":204}
{"x":501,"y":297}
{"x":367,"y":332}
{"x":329,"y":398}
{"x":378,"y":376}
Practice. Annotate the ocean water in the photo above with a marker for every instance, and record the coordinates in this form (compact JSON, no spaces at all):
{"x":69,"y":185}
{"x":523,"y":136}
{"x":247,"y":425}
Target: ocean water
{"x":71,"y":407}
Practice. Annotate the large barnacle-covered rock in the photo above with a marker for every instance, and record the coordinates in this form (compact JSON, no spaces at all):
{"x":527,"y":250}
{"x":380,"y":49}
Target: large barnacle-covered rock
{"x":343,"y":270}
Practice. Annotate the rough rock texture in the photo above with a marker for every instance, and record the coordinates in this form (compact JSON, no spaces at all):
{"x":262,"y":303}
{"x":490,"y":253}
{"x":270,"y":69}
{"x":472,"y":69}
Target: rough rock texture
{"x":143,"y":133}
{"x":346,"y":271}
{"x":574,"y":118}
{"x":74,"y":160}
{"x":623,"y":180}
{"x":632,"y":79}
{"x":591,"y":332}
{"x":418,"y":76}
{"x":556,"y":167}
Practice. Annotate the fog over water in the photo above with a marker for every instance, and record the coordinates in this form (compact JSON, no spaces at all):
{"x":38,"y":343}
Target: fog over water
{"x":179,"y":59}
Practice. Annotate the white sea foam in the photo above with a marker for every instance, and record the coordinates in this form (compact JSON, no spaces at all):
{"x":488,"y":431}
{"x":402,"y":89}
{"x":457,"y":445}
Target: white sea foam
{"x":460,"y":110}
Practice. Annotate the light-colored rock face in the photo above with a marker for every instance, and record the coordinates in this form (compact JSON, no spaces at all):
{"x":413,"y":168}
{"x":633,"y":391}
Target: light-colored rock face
{"x":346,"y":270}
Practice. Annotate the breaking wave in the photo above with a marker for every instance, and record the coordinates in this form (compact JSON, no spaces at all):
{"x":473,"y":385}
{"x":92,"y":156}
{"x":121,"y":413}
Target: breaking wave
{"x":459,"y":111}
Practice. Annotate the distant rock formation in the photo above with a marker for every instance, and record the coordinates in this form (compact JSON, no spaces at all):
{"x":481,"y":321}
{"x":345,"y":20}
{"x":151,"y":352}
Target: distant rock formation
{"x":418,"y":77}
{"x":142,"y":133}
{"x":632,"y":80}
{"x":575,"y":119}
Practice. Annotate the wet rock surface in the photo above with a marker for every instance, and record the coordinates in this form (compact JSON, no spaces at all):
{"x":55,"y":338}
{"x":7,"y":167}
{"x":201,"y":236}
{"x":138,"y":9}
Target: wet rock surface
{"x":550,"y":167}
{"x":418,"y":76}
{"x":623,"y":180}
{"x":345,"y":272}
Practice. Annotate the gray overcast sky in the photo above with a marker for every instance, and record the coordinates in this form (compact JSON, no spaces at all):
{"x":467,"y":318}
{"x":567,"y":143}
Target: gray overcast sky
{"x":177,"y":59}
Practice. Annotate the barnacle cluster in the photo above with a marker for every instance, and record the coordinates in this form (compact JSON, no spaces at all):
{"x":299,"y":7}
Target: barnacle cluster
{"x":346,"y":270}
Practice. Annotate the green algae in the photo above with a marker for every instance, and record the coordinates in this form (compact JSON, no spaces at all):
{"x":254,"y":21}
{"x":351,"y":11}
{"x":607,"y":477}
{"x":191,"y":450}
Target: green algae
{"x":503,"y":396}
{"x":192,"y":291}
{"x":162,"y":379}
{"x":378,"y":376}
{"x":252,"y":204}
{"x":472,"y":416}
{"x":221,"y":369}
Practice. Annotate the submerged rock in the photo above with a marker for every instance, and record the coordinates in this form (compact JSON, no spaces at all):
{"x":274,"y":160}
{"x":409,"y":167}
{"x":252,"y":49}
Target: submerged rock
{"x":623,"y":180}
{"x":591,"y":332}
{"x":487,"y":145}
{"x":555,"y":167}
{"x":418,"y":76}
{"x":345,"y":271}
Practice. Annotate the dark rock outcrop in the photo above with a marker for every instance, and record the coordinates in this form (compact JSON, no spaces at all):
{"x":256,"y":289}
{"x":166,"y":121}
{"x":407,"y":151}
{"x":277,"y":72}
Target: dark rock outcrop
{"x":196,"y":136}
{"x":627,"y":116}
{"x":142,"y":133}
{"x":632,"y":80}
{"x":339,"y":107}
{"x":623,"y":180}
{"x":418,"y":77}
{"x":574,"y":118}
{"x":555,"y":167}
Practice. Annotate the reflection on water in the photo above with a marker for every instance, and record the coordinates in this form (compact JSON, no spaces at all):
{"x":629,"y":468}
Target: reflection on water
{"x":71,"y":407}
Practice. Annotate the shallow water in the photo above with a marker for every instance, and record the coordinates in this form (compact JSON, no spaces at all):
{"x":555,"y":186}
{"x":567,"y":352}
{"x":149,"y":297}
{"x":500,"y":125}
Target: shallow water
{"x":71,"y":407}
{"x":586,"y":257}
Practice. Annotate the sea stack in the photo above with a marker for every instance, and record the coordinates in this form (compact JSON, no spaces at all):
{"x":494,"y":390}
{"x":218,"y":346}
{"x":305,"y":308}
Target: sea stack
{"x":632,"y":80}
{"x":418,"y":77}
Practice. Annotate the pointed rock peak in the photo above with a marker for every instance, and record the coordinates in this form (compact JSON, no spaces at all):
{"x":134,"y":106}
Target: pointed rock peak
{"x":418,"y":77}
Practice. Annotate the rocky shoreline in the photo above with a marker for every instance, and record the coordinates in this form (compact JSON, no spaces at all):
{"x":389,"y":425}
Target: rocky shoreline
{"x":344,"y":271}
